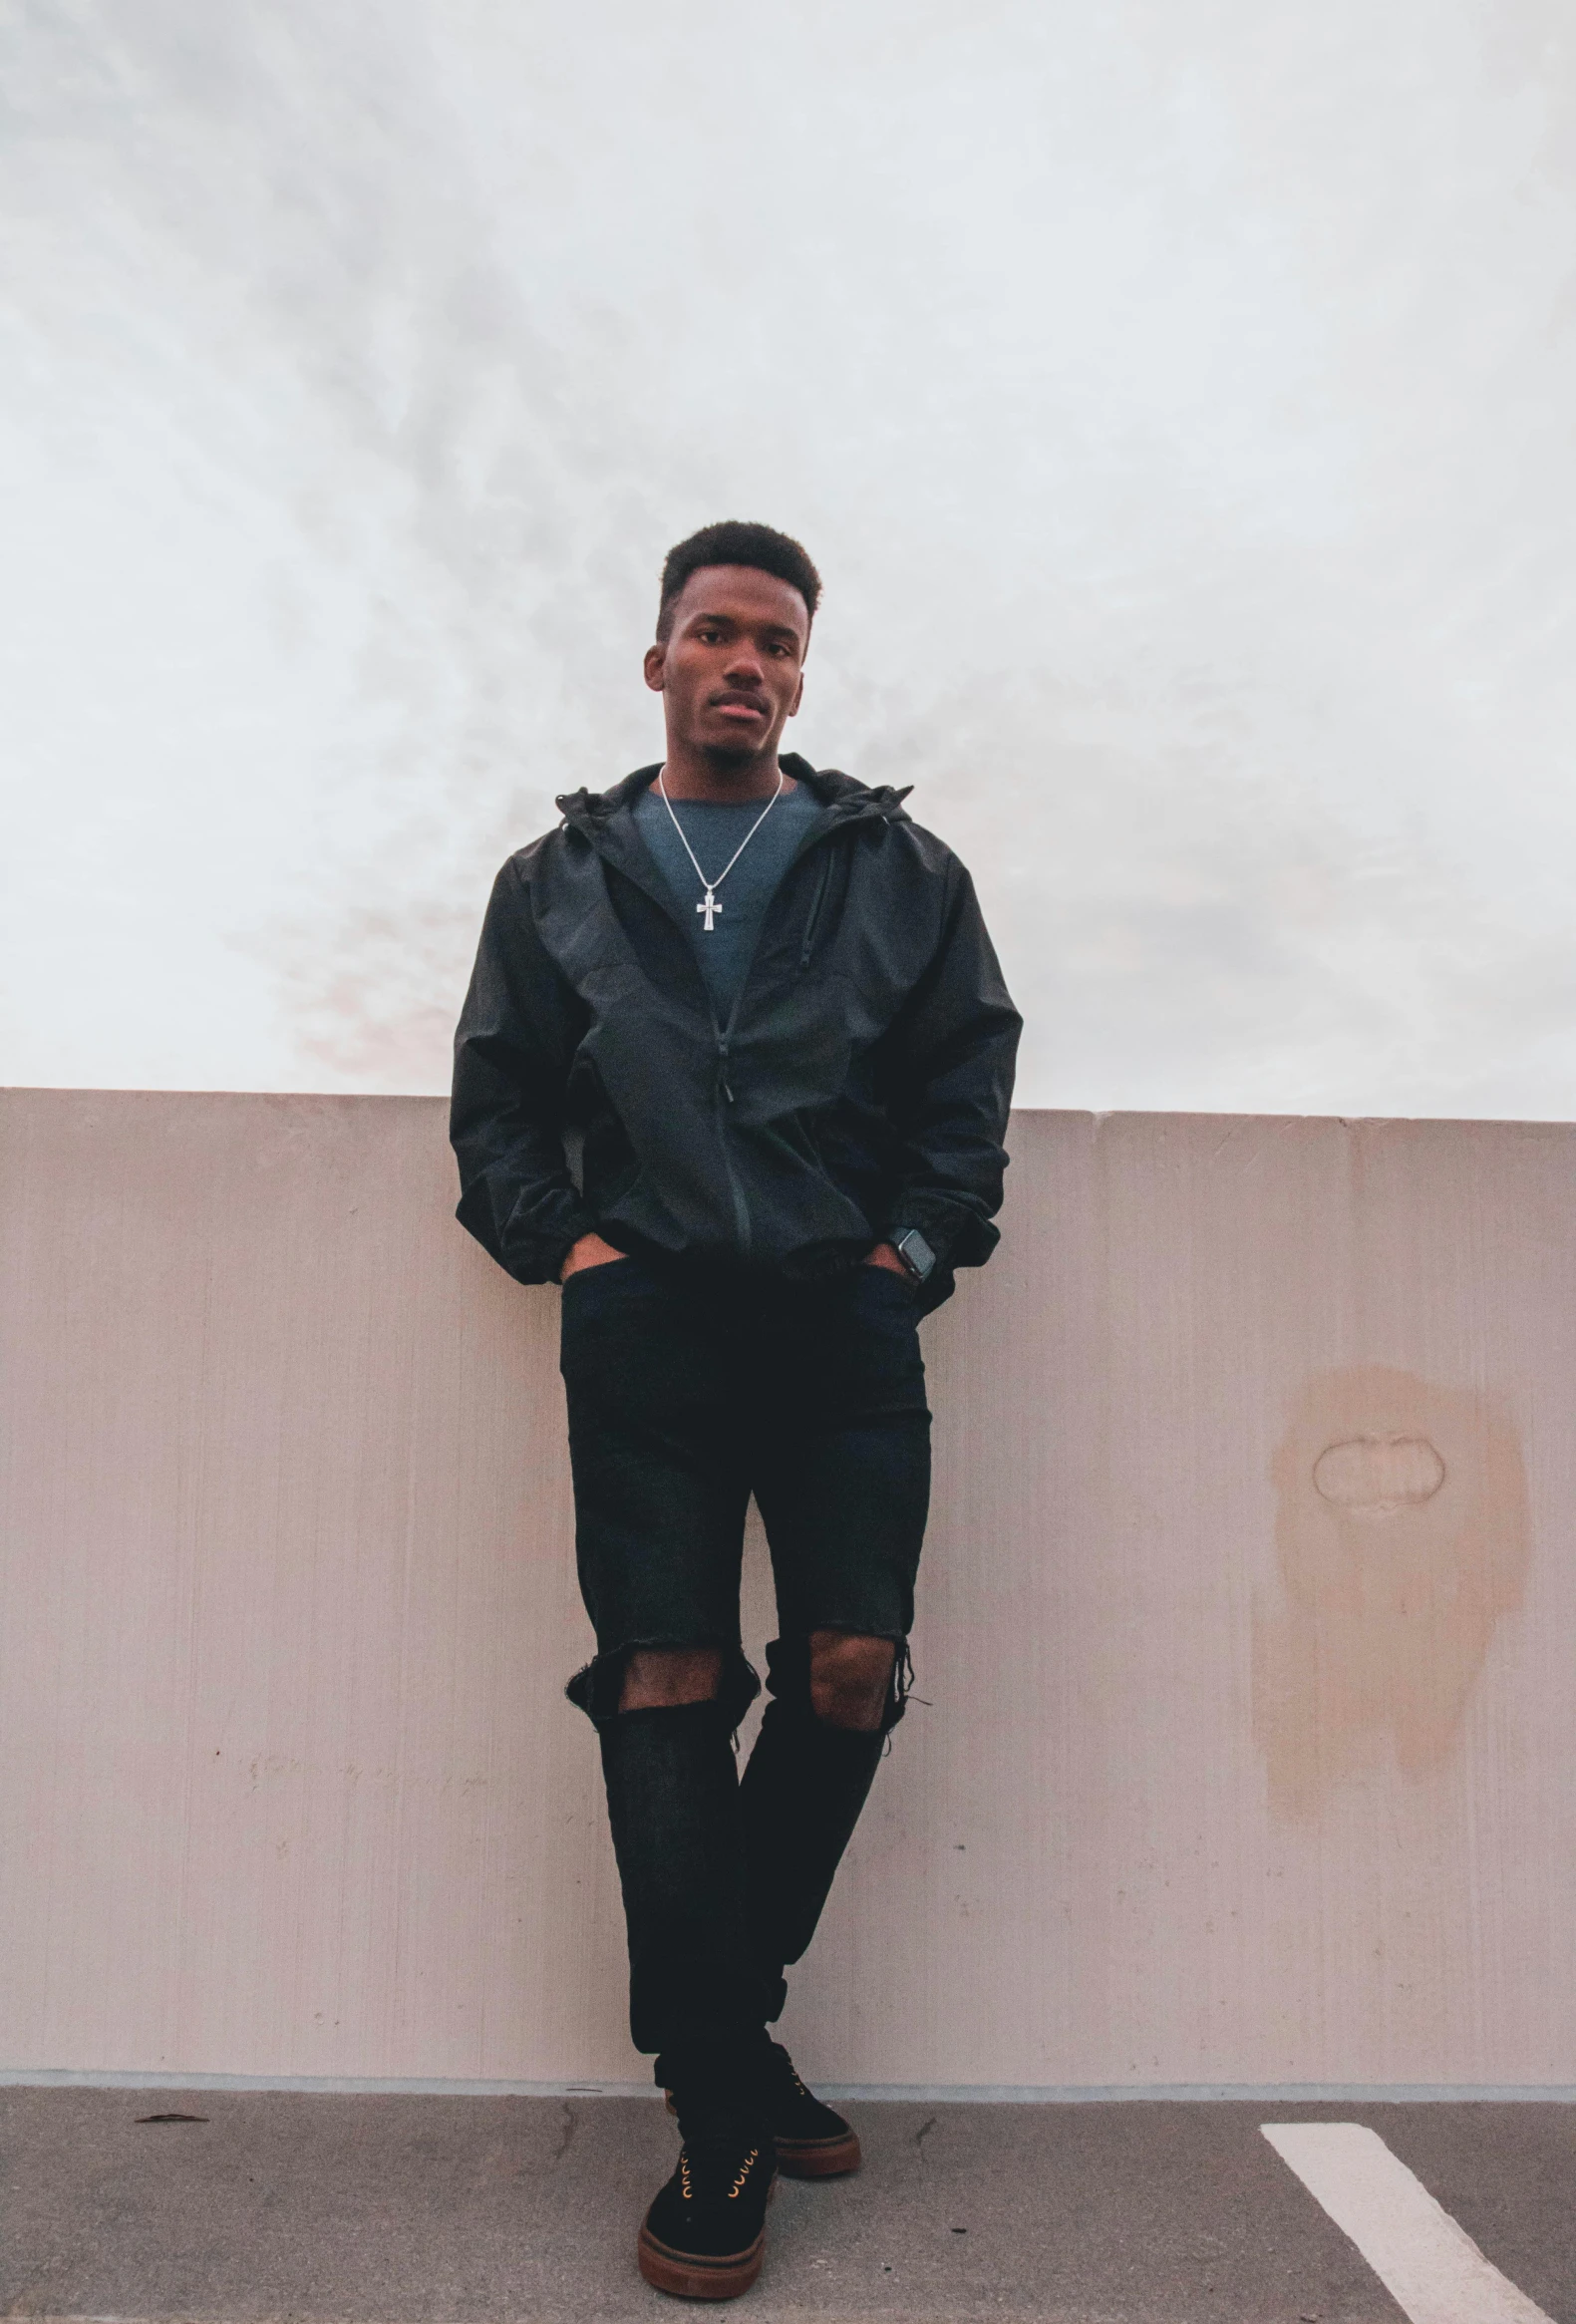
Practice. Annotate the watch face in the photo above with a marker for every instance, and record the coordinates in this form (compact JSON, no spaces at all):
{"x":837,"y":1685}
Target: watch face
{"x":915,"y":1253}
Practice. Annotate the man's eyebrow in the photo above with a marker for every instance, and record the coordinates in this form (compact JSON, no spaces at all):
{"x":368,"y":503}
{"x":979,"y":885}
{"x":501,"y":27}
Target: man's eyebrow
{"x":782,"y":629}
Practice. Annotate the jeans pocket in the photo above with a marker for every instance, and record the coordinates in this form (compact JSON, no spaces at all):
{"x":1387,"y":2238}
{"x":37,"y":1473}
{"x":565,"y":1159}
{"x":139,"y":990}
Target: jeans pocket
{"x":588,"y":1309}
{"x":903,"y":1284}
{"x":602,"y":1267}
{"x":891,"y":1301}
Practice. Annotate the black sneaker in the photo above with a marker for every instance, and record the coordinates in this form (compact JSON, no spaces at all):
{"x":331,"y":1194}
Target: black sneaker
{"x":812,"y":2141}
{"x":705,"y":2235}
{"x":810,"y":2138}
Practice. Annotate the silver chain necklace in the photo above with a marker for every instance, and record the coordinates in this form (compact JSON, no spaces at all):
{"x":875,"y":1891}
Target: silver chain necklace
{"x":710,"y":905}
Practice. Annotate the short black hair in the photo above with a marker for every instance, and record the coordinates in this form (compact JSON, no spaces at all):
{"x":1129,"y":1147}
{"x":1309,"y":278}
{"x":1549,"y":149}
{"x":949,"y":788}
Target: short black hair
{"x":733,"y":543}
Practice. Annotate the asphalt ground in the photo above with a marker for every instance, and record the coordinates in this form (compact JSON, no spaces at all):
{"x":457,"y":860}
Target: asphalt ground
{"x":421,"y":2209}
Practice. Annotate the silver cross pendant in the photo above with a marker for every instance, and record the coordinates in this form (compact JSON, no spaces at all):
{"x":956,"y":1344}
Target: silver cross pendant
{"x":711,"y":907}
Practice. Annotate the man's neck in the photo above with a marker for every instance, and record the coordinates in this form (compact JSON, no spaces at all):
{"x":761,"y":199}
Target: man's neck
{"x":723,"y":777}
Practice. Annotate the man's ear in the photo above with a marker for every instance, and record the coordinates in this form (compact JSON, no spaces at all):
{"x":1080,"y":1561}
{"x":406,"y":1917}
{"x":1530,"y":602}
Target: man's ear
{"x":799,"y":696}
{"x":656,"y":658}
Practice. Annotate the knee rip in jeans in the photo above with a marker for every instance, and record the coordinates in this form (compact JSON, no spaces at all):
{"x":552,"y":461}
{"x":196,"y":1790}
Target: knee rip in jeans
{"x":794,"y":1678}
{"x":597,"y":1690}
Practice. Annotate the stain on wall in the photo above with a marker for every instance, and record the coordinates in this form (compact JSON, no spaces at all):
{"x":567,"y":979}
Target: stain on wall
{"x":1402,"y":1538}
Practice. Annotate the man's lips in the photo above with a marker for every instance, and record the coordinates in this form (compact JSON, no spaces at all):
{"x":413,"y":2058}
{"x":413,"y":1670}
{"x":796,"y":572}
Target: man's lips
{"x":739,"y":706}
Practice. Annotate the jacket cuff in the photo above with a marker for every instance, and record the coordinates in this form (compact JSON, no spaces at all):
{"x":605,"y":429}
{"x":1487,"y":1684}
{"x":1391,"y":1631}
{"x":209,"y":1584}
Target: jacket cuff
{"x":954,"y":1229}
{"x":530,"y":1248}
{"x":558,"y":1249}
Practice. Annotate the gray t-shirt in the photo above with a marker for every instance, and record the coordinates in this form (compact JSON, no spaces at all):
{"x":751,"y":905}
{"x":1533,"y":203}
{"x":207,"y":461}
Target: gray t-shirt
{"x":714,"y":832}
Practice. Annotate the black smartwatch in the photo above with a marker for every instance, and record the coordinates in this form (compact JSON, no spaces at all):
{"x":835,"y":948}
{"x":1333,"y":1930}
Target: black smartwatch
{"x":915,"y":1253}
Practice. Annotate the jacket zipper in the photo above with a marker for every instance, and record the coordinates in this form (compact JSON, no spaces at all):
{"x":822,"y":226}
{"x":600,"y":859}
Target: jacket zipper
{"x":743,"y":1223}
{"x":814,"y":915}
{"x":723,"y":1033}
{"x":742,"y":1219}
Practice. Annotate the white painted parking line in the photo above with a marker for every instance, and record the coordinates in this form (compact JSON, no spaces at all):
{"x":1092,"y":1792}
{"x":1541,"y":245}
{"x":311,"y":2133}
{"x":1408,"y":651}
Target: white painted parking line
{"x":1427,"y":2264}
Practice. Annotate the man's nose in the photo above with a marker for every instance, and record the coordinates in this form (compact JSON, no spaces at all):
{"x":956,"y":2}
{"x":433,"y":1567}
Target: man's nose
{"x":743,"y":667}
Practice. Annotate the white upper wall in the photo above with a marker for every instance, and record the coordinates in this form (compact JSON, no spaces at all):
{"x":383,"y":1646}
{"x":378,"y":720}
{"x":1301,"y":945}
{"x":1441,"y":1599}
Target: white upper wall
{"x":1176,"y":397}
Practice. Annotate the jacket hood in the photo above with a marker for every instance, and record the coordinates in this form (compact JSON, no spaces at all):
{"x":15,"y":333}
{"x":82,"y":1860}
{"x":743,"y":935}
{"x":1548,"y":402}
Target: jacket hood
{"x":827,"y":784}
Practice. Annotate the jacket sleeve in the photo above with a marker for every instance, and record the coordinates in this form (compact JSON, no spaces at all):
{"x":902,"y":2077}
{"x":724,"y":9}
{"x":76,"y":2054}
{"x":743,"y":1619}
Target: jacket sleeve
{"x":955,"y":1050}
{"x":516,"y":1036}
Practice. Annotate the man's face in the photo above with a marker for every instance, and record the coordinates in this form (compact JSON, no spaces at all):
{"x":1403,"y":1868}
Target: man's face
{"x":731,"y":670}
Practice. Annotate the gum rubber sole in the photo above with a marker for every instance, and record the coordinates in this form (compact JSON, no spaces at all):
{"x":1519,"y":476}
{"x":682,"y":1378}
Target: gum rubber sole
{"x":693,"y":2276}
{"x":819,"y":2158}
{"x":810,"y":2157}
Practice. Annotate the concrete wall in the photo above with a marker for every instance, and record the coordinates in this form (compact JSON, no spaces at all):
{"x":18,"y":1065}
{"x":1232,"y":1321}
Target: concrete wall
{"x":1245,"y":1628}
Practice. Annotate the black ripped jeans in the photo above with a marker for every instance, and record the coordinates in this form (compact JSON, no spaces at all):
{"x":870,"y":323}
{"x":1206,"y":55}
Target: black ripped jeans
{"x":687,"y":1394}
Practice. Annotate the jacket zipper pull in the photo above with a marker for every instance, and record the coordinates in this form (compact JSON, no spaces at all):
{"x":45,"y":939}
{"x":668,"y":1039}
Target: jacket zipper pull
{"x":722,"y":1069}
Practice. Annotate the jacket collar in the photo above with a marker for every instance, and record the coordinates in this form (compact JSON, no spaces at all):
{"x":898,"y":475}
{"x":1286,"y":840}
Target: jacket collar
{"x":590,"y":812}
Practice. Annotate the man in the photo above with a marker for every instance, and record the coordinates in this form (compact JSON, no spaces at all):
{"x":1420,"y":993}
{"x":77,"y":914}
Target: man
{"x":733,"y":1068}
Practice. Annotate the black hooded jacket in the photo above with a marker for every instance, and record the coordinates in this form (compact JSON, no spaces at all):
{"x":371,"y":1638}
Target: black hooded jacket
{"x":859,"y":1086}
